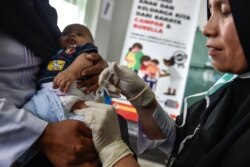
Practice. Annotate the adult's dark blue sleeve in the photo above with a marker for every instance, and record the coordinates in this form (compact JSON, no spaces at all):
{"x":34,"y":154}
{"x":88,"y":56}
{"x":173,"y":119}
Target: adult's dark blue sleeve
{"x":33,"y":23}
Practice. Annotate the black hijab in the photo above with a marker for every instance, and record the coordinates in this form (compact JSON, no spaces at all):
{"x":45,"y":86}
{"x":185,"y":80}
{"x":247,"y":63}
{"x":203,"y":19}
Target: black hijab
{"x":241,"y":11}
{"x":33,"y":23}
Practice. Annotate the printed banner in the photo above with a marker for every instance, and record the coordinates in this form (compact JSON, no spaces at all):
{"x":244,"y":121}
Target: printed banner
{"x":158,"y":48}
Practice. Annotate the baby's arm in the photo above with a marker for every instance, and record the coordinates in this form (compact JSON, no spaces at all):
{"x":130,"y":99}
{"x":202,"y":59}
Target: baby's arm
{"x":65,"y":78}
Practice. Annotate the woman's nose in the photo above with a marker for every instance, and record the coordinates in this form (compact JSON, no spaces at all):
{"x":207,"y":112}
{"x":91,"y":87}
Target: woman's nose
{"x":210,"y":28}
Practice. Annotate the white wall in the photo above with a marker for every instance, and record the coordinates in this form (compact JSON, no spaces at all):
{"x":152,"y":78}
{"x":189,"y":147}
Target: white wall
{"x":110,"y":35}
{"x":92,"y":15}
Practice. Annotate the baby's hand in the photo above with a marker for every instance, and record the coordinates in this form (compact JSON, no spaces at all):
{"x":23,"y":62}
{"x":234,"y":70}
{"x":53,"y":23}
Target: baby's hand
{"x":63,"y":80}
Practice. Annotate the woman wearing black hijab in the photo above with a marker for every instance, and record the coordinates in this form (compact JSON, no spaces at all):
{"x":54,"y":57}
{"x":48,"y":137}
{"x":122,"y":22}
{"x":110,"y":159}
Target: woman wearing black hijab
{"x":214,"y":131}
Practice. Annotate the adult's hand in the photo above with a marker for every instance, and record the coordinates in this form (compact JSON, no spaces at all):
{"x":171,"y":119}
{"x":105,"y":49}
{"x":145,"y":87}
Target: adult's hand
{"x":103,"y":121}
{"x":68,"y":143}
{"x":120,"y":79}
{"x":92,"y":73}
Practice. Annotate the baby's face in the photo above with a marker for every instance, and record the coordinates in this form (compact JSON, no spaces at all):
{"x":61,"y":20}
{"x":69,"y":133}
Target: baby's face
{"x":75,"y":35}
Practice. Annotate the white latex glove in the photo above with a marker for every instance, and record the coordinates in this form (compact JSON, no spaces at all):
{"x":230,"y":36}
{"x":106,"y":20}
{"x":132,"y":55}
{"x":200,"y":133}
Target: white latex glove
{"x":103,"y":121}
{"x":120,"y":79}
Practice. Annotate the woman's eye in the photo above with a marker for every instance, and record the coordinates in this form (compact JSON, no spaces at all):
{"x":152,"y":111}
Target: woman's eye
{"x":225,"y":13}
{"x":225,"y":10}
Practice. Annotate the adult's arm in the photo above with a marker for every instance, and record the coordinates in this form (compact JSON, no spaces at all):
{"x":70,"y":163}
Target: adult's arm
{"x":64,"y":143}
{"x":127,"y":161}
{"x":155,"y":129}
{"x":103,"y":121}
{"x":92,"y":72}
{"x":67,"y":143}
{"x":18,"y":131}
{"x":155,"y":126}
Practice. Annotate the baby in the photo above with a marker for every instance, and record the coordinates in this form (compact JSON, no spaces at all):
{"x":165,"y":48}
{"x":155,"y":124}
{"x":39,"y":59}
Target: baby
{"x":59,"y":94}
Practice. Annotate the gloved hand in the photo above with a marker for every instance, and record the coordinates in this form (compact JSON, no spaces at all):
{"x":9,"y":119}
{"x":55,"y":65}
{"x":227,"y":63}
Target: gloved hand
{"x":120,"y":79}
{"x":102,"y":120}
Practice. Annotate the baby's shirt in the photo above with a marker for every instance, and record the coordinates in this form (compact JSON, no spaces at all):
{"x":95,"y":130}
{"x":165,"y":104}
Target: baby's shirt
{"x":62,"y":60}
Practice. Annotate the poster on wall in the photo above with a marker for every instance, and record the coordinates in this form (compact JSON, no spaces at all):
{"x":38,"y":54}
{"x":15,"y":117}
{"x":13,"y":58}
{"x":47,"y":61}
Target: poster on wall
{"x":158,"y":46}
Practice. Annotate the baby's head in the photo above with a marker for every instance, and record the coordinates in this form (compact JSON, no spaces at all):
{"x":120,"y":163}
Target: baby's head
{"x":75,"y":34}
